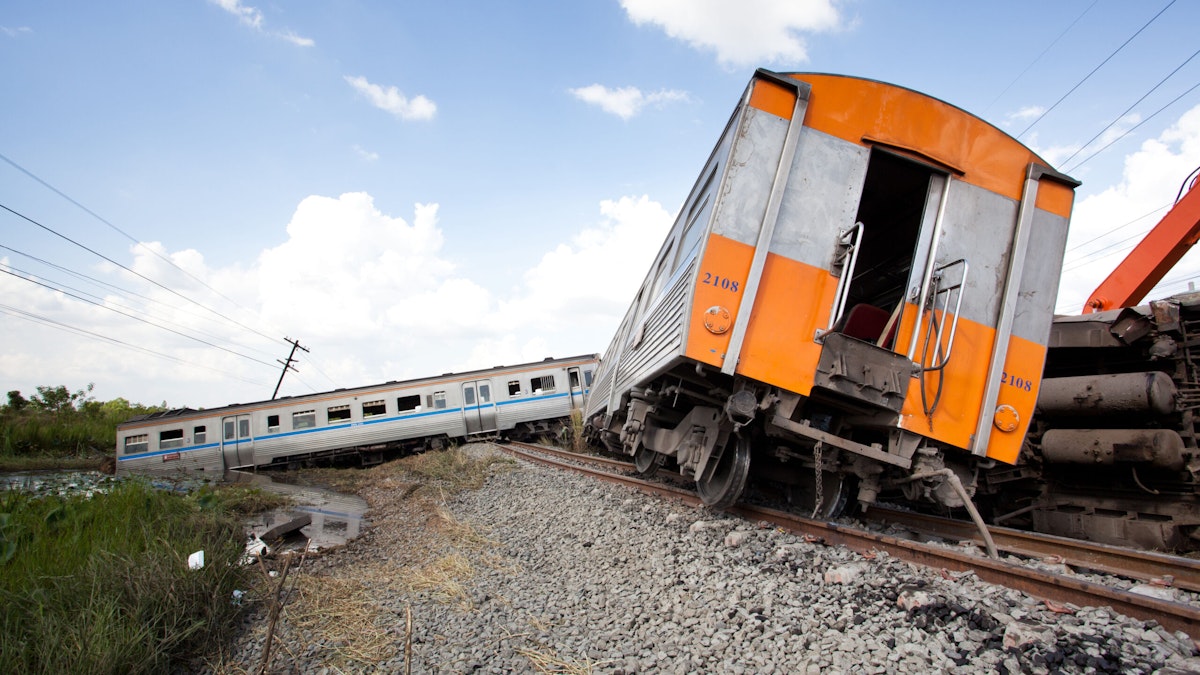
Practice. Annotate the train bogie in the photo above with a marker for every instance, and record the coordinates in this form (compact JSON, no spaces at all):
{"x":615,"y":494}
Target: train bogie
{"x":860,"y":284}
{"x":363,"y":422}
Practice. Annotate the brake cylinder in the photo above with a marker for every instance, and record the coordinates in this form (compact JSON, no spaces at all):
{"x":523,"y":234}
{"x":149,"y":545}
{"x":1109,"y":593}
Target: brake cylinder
{"x":1161,"y":448}
{"x":1151,"y":393}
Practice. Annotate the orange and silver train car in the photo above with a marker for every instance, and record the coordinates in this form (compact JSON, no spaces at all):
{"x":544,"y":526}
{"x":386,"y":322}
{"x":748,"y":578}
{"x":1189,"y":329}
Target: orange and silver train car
{"x":857,"y":293}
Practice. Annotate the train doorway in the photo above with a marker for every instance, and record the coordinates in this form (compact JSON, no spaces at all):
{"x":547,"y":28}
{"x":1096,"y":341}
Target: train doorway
{"x":575,"y":380}
{"x":237,"y":443}
{"x":898,"y":211}
{"x":479,"y":411}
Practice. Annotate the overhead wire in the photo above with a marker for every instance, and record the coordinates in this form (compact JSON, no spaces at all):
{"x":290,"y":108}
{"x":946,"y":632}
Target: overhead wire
{"x":138,"y":318}
{"x":1039,"y":56}
{"x":126,"y":293}
{"x":59,"y":286}
{"x":1131,"y":107}
{"x":125,"y":234}
{"x":29,"y":316}
{"x":1098,"y":67}
{"x":135,"y":273}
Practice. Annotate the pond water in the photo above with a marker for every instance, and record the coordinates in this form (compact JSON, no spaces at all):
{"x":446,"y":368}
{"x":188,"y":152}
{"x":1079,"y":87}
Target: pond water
{"x":336,"y":517}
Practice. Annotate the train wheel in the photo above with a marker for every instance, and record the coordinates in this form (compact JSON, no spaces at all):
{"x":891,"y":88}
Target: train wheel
{"x":722,"y":484}
{"x":835,"y":494}
{"x":645,"y":461}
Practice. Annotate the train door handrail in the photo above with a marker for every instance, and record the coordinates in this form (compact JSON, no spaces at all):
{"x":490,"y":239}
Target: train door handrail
{"x":938,"y":290}
{"x":849,"y":243}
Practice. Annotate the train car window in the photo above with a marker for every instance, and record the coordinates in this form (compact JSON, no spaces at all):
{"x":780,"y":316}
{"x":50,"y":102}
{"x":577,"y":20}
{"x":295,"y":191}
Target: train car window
{"x":408,"y":403}
{"x":171,"y":438}
{"x":485,"y":393}
{"x":469,"y":396}
{"x":339,"y":413}
{"x":304,"y":419}
{"x":439,"y":400}
{"x":243,"y":428}
{"x":691,"y":233}
{"x":573,"y":376}
{"x":545,"y":384}
{"x":139,"y":443}
{"x":272,"y":422}
{"x":587,"y":378}
{"x":229,"y":435}
{"x":374,"y":408}
{"x":199,"y":434}
{"x":514,"y":388}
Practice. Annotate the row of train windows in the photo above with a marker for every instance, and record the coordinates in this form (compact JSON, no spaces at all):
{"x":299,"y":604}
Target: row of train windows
{"x":307,"y":419}
{"x":171,"y":438}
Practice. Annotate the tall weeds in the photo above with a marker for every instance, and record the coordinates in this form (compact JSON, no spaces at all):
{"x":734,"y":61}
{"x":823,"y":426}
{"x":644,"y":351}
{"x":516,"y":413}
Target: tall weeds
{"x":102,"y":584}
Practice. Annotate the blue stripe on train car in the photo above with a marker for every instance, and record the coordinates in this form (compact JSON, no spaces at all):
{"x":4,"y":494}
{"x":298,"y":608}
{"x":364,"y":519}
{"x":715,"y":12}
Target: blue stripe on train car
{"x":338,"y":427}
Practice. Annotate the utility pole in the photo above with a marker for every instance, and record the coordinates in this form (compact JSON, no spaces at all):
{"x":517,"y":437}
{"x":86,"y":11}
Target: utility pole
{"x":288,"y":364}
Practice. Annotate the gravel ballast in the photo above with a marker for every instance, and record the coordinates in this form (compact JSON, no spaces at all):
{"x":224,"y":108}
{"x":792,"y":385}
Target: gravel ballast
{"x":545,"y":571}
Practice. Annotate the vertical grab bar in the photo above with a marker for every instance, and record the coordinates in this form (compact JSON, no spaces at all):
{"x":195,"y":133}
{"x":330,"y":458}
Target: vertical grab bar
{"x":930,"y":265}
{"x":960,"y":287}
{"x":842,"y":293}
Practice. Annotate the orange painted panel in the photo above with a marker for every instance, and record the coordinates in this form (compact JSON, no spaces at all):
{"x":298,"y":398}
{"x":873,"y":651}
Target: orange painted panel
{"x":720,"y":282}
{"x":1055,"y":197}
{"x":961,"y":384}
{"x":773,"y":98}
{"x":852,"y":108}
{"x":793,"y":302}
{"x":1020,"y":383}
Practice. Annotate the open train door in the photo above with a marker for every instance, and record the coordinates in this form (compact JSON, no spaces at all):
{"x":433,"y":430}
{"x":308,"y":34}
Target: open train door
{"x":479,"y":411}
{"x":237,"y":444}
{"x":575,"y":379}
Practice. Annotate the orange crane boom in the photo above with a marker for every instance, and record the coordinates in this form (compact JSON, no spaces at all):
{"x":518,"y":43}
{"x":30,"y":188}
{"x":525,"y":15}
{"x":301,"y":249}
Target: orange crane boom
{"x":1152,"y":258}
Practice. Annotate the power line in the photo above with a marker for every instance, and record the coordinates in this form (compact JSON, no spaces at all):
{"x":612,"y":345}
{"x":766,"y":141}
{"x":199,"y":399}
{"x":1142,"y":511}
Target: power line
{"x":139,"y":275}
{"x":128,"y":294}
{"x":1039,"y":56}
{"x":1131,"y":107}
{"x":35,"y":318}
{"x":1134,"y":127}
{"x":125,"y":234}
{"x":137,"y":318}
{"x":1119,"y":227}
{"x":59,"y":286}
{"x":1089,"y":75}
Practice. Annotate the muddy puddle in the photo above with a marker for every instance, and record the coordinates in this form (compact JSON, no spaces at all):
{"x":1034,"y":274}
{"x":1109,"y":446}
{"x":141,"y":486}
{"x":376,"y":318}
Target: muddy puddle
{"x":334,"y":518}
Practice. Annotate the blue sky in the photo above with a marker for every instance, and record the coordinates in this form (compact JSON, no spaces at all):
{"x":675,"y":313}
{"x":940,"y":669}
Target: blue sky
{"x":415,"y":188}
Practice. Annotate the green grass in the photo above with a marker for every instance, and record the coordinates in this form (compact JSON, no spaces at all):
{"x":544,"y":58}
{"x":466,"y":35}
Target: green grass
{"x":102,"y":585}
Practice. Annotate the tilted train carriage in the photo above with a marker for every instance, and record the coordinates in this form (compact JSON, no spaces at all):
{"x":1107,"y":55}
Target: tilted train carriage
{"x":527,"y":400}
{"x":859,"y":286}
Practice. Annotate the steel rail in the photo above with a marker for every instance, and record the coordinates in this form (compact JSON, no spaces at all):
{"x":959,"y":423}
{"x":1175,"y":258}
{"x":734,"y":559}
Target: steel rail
{"x":1046,"y":586}
{"x":1127,"y":562}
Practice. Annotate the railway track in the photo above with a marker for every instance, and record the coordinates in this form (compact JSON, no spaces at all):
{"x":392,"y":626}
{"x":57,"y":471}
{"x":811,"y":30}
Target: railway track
{"x":1049,"y":586}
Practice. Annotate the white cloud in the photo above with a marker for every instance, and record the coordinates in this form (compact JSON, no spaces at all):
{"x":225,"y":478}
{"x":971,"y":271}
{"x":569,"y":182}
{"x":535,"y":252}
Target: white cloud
{"x":392,"y":101}
{"x":622,"y":245}
{"x":365,"y":154}
{"x":253,"y":17}
{"x":15,"y":32}
{"x":295,"y":39}
{"x":1107,"y":224}
{"x":626,"y":101}
{"x":1025,"y":114}
{"x":250,"y":16}
{"x":744,"y":33}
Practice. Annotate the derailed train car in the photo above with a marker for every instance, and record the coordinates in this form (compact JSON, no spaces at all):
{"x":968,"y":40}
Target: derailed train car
{"x":855,"y":297}
{"x":523,"y":400}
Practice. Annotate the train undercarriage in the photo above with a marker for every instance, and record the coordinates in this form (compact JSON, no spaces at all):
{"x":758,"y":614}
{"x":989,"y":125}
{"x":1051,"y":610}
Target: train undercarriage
{"x":1111,"y":456}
